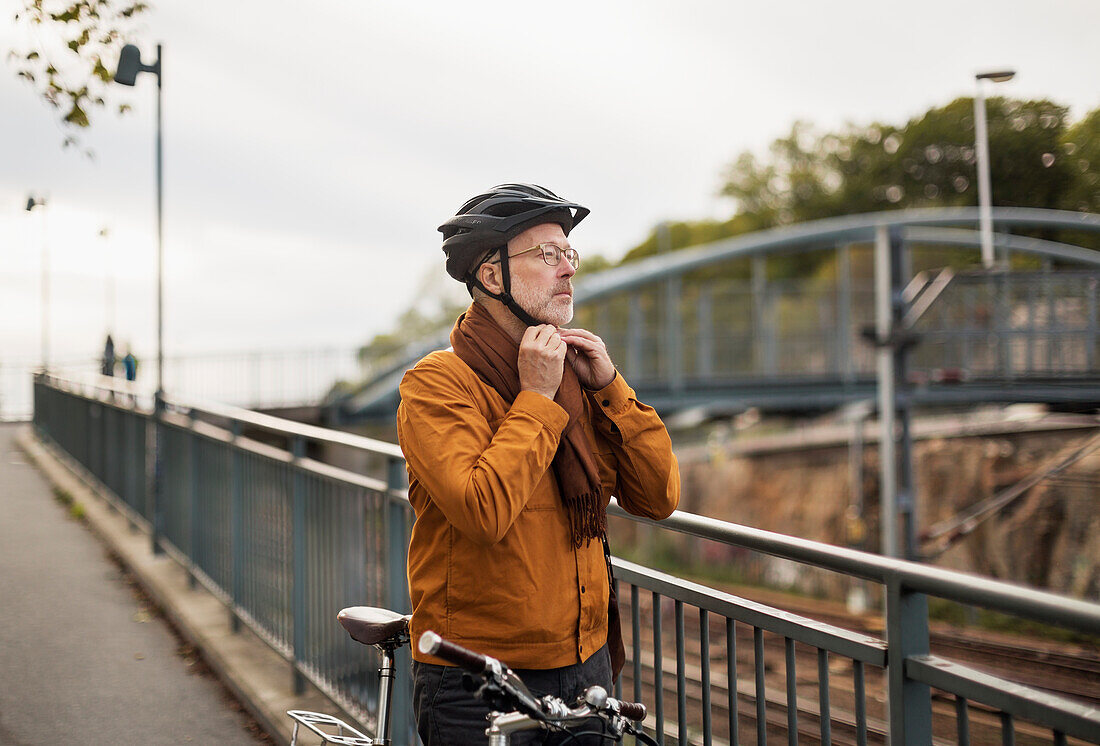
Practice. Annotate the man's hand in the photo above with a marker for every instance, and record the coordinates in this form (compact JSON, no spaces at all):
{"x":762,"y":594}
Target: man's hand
{"x":541,"y":360}
{"x":589,"y":358}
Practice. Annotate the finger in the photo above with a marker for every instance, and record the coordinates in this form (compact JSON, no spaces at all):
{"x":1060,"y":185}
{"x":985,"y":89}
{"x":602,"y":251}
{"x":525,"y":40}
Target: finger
{"x":579,"y":333}
{"x":529,"y":335}
{"x":587,"y":346}
{"x":544,"y":333}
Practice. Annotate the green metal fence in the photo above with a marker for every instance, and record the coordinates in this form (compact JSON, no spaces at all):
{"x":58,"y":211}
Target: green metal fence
{"x":286,"y":541}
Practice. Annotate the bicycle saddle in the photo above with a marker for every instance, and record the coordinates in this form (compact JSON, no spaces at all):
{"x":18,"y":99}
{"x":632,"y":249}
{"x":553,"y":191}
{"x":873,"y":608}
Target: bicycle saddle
{"x":371,"y":625}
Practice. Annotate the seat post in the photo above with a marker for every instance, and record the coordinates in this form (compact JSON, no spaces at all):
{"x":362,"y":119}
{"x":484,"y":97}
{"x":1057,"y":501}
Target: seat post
{"x":385,"y":689}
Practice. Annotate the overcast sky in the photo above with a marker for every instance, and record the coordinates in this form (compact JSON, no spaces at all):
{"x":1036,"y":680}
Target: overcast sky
{"x":311,"y":149}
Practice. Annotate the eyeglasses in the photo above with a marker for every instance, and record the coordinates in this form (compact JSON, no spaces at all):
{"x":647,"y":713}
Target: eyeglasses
{"x":551,"y":254}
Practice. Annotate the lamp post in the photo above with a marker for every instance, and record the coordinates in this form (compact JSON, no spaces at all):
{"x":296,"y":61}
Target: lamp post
{"x":109,"y":282}
{"x":981,"y":141}
{"x":129,"y":66}
{"x":33,"y":202}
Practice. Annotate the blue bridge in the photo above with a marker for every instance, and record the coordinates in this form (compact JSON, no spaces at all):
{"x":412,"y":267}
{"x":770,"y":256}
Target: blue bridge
{"x":713,"y":329}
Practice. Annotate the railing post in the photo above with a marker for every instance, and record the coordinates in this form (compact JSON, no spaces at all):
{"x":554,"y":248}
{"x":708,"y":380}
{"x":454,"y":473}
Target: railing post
{"x":1091,"y":322}
{"x":298,"y":551}
{"x":236,"y":527}
{"x":397,"y":597}
{"x":674,"y":333}
{"x":193,"y":522}
{"x":704,"y":344}
{"x":93,"y":443}
{"x":910,"y":702}
{"x":846,"y":364}
{"x":135,"y":462}
{"x":156,"y":511}
{"x":634,"y":336}
{"x":763,"y":325}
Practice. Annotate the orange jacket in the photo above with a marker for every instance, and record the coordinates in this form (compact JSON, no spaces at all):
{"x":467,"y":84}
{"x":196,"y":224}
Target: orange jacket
{"x":491,"y":563}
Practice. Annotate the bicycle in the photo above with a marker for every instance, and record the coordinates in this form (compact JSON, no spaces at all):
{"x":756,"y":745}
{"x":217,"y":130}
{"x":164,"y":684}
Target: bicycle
{"x":516,"y":709}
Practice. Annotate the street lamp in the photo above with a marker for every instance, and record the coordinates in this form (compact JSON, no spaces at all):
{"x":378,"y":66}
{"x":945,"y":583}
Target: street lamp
{"x":129,"y":66}
{"x":981,"y":140}
{"x":33,"y":202}
{"x":109,"y":281}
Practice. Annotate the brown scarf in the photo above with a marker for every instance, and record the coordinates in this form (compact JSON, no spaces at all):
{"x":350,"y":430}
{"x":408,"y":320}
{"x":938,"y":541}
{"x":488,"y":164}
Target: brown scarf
{"x":483,"y":345}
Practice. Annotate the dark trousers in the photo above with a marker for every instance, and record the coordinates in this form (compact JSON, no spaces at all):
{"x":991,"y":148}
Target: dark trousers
{"x":448,"y":715}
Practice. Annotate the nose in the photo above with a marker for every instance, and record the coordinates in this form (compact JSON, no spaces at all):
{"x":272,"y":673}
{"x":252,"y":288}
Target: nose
{"x":565,"y":269}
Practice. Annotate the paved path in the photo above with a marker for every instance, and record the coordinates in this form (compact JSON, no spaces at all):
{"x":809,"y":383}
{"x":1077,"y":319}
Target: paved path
{"x":81,"y":659}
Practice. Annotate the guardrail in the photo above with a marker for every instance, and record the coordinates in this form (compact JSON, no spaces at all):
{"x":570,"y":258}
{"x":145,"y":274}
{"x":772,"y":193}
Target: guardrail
{"x":285,"y":541}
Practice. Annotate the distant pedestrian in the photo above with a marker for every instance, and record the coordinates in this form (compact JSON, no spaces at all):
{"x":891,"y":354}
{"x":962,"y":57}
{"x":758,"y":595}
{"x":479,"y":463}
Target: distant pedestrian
{"x":129,"y":364}
{"x":108,"y":367}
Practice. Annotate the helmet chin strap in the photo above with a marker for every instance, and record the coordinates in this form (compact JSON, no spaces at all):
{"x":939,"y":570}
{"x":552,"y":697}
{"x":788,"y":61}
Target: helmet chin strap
{"x":506,"y":297}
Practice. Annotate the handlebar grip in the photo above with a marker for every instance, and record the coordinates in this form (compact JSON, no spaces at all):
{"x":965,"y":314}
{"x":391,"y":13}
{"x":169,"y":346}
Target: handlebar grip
{"x":632,"y":711}
{"x":432,"y":644}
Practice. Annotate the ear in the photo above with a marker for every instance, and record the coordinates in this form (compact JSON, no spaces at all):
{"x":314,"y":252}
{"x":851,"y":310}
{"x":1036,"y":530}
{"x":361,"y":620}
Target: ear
{"x":491,"y":278}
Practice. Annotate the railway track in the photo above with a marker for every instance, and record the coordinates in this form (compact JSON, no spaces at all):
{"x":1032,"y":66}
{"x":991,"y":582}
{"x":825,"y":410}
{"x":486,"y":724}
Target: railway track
{"x":1067,"y":673}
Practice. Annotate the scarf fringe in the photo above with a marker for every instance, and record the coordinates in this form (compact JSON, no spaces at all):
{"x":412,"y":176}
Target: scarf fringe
{"x":587,"y":518}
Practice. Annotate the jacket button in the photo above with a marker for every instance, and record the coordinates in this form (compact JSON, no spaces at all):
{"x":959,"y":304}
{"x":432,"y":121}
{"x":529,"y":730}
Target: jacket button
{"x":606,"y":402}
{"x":582,"y":589}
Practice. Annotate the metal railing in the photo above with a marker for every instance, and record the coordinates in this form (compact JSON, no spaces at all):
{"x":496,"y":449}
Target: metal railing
{"x":256,"y":379}
{"x":285,"y":541}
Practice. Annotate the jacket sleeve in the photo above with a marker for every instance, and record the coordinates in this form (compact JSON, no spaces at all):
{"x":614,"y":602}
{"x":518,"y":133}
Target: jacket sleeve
{"x":478,"y":478}
{"x":648,"y":474}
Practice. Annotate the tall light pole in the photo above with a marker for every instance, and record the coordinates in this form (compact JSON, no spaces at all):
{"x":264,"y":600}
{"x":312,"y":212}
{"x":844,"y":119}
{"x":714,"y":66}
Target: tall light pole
{"x":981,"y":141}
{"x":33,"y":202}
{"x":129,"y":65}
{"x":109,"y":282}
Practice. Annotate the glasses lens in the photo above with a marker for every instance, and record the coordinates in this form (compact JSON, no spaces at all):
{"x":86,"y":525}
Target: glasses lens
{"x":551,"y":254}
{"x":572,"y":257}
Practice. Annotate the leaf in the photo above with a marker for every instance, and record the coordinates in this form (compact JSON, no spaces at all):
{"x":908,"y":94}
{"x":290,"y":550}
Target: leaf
{"x":76,"y":116}
{"x":100,"y":71}
{"x":69,"y":15}
{"x":32,"y":55}
{"x":124,"y":108}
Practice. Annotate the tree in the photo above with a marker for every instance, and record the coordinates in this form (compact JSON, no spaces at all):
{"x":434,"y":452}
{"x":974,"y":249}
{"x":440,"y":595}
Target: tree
{"x":1080,"y":152}
{"x":68,"y":65}
{"x":1038,"y":159}
{"x":928,"y":162}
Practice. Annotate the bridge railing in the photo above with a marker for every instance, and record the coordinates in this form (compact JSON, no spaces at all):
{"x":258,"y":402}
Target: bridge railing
{"x":285,"y":541}
{"x":985,"y":326}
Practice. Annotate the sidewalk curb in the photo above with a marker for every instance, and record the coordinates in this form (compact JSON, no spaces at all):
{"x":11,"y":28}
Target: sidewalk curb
{"x":256,"y":675}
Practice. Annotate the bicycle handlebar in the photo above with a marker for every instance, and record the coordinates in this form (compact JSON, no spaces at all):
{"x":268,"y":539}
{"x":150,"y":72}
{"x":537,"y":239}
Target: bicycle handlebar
{"x":632,"y":711}
{"x":432,"y":644}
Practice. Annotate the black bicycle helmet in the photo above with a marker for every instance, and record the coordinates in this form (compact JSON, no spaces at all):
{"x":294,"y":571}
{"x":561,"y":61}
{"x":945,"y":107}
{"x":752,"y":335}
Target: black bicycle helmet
{"x":488,"y":221}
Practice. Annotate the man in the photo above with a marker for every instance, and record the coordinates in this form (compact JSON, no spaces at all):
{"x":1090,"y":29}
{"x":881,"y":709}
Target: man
{"x":107,"y":365}
{"x":515,"y":440}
